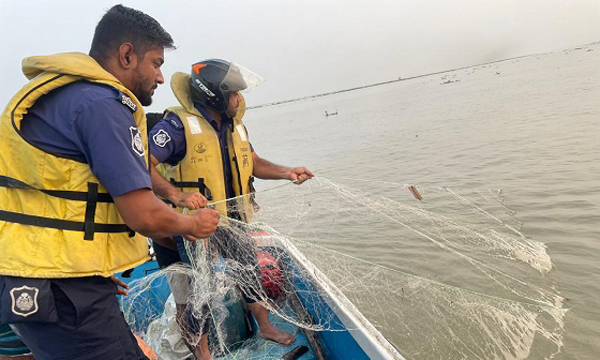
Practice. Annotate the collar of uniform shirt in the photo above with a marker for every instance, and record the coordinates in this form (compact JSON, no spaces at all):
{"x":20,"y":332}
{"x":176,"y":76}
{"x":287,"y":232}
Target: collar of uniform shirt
{"x":225,"y":120}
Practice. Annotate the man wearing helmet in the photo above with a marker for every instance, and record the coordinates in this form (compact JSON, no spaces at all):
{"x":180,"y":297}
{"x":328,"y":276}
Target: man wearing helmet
{"x":204,"y":148}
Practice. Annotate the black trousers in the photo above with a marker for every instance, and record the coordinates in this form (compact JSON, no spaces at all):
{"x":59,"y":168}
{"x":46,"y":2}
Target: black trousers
{"x":76,"y":319}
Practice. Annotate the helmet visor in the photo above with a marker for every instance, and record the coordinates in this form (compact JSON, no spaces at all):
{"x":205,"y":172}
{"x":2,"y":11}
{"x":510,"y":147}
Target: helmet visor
{"x":238,"y":78}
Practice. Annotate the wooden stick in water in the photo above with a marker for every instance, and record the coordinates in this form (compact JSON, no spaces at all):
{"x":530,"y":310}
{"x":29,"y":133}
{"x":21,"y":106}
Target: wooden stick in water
{"x":415,"y":192}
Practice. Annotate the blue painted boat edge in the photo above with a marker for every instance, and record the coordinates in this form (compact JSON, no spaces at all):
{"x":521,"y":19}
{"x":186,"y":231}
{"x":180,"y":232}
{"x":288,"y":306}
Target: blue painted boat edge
{"x":337,"y":343}
{"x":364,"y":334}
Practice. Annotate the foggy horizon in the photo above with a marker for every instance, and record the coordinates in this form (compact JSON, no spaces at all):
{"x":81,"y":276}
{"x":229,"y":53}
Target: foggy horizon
{"x":309,"y":48}
{"x":411,"y":77}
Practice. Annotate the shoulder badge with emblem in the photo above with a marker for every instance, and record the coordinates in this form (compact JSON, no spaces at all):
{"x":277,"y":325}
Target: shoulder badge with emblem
{"x":126,"y":100}
{"x":161,"y":138}
{"x":24,"y":300}
{"x":136,"y":141}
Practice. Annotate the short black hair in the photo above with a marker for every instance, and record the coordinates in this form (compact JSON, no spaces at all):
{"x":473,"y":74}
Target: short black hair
{"x":121,"y":24}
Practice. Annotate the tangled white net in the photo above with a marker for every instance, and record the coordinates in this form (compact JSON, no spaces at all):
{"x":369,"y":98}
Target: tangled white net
{"x":449,"y":277}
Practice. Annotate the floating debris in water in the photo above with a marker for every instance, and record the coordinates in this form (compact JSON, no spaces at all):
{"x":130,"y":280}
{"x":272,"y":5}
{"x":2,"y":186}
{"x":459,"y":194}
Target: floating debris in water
{"x":415,"y":192}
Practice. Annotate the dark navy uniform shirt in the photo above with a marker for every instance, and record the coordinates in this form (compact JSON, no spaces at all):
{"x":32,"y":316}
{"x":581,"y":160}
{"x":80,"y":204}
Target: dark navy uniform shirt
{"x":89,"y":123}
{"x":171,"y":149}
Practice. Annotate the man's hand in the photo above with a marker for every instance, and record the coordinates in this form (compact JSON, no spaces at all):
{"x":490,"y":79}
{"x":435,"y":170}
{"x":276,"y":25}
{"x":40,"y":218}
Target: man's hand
{"x":166,"y":190}
{"x":264,"y":169}
{"x":121,"y":286}
{"x":299,"y":174}
{"x":144,"y":213}
{"x":206,"y":221}
{"x":190,"y":200}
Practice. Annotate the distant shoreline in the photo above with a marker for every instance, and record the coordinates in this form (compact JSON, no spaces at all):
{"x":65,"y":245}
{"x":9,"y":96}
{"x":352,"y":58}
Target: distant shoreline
{"x":409,"y":78}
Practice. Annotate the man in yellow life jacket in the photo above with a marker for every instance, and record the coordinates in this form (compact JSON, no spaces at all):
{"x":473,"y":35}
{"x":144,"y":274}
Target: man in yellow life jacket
{"x":205,"y":152}
{"x":76,"y":193}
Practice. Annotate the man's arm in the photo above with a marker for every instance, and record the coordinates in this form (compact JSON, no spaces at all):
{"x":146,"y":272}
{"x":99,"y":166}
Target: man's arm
{"x":145,"y":213}
{"x":164,"y":189}
{"x":264,"y":169}
{"x":105,"y":133}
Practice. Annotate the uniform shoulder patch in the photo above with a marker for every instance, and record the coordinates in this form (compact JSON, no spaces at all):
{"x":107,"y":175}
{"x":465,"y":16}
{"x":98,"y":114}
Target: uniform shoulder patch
{"x":161,"y":138}
{"x":136,"y":141}
{"x":126,"y":100}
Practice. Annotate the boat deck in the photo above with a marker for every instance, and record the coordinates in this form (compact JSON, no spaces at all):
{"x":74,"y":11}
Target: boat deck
{"x":311,"y":297}
{"x":259,"y":348}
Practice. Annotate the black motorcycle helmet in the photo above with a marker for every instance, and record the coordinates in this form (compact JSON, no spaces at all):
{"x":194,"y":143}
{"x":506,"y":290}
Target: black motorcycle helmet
{"x":214,"y":80}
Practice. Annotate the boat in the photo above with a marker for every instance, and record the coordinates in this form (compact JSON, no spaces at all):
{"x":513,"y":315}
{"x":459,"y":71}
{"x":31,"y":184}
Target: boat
{"x":313,"y":296}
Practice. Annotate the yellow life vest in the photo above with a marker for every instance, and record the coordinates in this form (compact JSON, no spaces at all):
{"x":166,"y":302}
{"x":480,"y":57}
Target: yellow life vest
{"x":202,"y":167}
{"x":56,"y":219}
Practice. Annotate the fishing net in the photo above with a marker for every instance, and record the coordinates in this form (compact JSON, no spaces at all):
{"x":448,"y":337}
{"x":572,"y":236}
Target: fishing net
{"x":451,"y":276}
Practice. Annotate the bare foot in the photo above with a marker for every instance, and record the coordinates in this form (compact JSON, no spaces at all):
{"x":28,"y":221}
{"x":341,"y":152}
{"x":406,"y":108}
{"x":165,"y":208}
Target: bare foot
{"x":201,"y":351}
{"x":202,"y":355}
{"x":275,"y":334}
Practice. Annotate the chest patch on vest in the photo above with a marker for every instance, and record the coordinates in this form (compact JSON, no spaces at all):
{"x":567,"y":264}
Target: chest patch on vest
{"x":240,"y":129}
{"x":161,"y":138}
{"x":24,"y":300}
{"x":194,"y":125}
{"x":126,"y":100}
{"x":136,"y":141}
{"x":199,"y":148}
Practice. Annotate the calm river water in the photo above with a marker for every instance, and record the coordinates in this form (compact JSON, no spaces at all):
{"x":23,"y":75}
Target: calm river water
{"x":528,"y":126}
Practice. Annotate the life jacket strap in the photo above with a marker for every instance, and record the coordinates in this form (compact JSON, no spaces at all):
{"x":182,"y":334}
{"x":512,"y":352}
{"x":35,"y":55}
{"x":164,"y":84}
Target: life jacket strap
{"x":252,"y":191}
{"x":91,"y":197}
{"x":9,"y":182}
{"x":200,"y":185}
{"x":40,"y":221}
{"x":90,"y":211}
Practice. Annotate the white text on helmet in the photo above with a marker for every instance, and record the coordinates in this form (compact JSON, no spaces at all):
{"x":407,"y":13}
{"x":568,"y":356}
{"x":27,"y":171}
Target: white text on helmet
{"x":204,"y":88}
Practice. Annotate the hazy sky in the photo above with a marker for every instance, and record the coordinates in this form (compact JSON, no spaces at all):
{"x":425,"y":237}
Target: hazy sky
{"x":309,"y":46}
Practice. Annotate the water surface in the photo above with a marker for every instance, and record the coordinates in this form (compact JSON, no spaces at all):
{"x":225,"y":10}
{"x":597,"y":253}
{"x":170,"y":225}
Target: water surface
{"x":527,"y":129}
